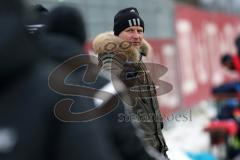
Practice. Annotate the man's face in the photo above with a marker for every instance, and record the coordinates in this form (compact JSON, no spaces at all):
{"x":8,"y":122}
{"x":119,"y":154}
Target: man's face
{"x":133,"y":35}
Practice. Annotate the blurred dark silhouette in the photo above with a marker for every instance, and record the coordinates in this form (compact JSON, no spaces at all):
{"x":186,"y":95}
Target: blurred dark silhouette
{"x":65,"y":35}
{"x":36,"y":18}
{"x":29,"y":128}
{"x":67,"y":21}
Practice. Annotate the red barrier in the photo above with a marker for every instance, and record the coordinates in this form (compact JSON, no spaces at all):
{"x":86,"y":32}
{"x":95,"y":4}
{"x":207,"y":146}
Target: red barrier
{"x":164,"y":53}
{"x":201,"y":38}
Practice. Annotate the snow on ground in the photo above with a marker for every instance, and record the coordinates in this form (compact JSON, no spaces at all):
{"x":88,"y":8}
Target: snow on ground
{"x":186,"y":135}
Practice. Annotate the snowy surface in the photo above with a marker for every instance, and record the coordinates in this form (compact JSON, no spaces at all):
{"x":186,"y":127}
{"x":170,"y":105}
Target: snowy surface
{"x":187,"y":136}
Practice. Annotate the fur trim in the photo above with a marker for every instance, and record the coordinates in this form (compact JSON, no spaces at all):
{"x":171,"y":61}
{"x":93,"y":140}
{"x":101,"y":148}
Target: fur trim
{"x":145,"y":48}
{"x":107,"y":42}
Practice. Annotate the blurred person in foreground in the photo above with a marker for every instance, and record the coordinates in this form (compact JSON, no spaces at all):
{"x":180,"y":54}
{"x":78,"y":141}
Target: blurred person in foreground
{"x":121,"y":53}
{"x":65,"y":34}
{"x":36,"y":19}
{"x":31,"y":124}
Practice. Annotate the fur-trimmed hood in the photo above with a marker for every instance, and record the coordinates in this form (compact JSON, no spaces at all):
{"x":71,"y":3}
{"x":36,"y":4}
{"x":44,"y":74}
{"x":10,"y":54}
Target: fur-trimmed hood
{"x":107,"y":42}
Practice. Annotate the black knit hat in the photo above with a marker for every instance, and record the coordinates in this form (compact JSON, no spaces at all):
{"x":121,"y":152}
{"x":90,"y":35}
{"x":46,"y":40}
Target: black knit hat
{"x":126,"y":18}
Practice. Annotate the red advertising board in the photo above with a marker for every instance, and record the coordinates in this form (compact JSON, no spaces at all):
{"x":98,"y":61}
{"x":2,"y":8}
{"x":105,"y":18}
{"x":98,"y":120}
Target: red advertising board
{"x":201,"y":38}
{"x":164,"y":53}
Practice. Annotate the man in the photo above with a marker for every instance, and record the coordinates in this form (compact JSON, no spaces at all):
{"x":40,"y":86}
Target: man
{"x":121,"y":53}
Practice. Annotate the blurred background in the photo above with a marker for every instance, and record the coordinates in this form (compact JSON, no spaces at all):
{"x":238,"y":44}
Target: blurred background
{"x":189,"y":37}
